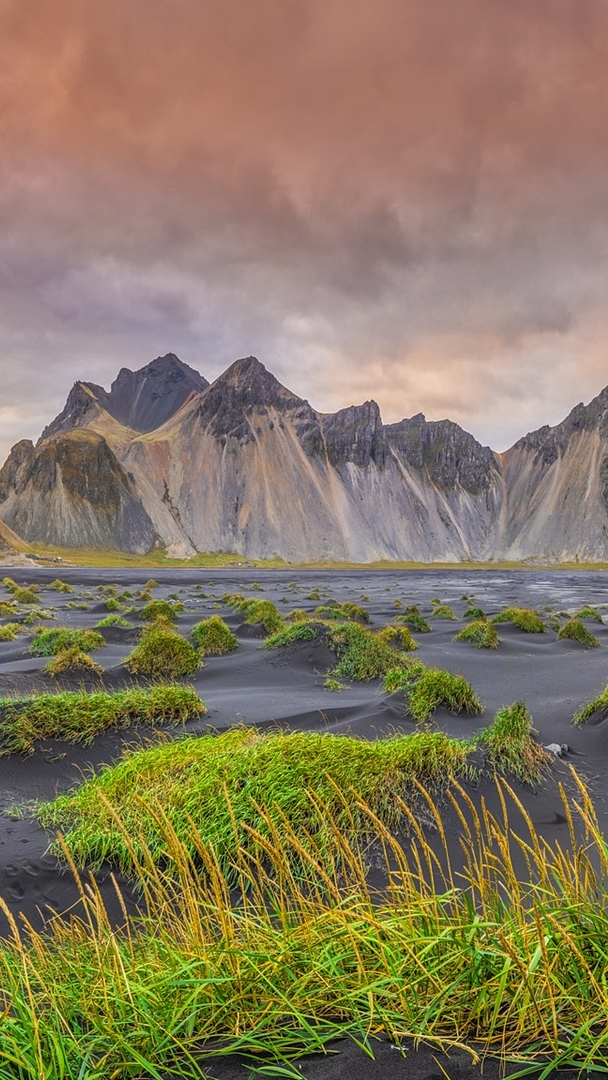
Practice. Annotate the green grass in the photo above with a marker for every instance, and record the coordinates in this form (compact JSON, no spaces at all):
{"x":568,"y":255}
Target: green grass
{"x":509,"y":746}
{"x":50,"y":642}
{"x":75,"y":716}
{"x":427,"y":689}
{"x":443,"y":611}
{"x":398,"y":635}
{"x":164,"y":608}
{"x":361,"y":654}
{"x":297,"y":615}
{"x":112,"y":604}
{"x":61,"y":586}
{"x":334,"y":685}
{"x":25,"y":596}
{"x":507,"y":967}
{"x":72,"y":660}
{"x":256,"y":611}
{"x":287,"y":635}
{"x":7,"y":609}
{"x":413,"y":618}
{"x":163,"y":653}
{"x":113,"y":620}
{"x":523,"y":618}
{"x":213,"y":636}
{"x":598,"y":705}
{"x":347,"y":610}
{"x":9,"y":631}
{"x":474,"y":613}
{"x":589,"y":612}
{"x":184,"y":780}
{"x":480,"y":633}
{"x":575,"y":630}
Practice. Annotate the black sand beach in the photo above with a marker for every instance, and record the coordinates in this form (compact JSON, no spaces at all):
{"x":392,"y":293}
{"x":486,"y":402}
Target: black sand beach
{"x":285,"y":688}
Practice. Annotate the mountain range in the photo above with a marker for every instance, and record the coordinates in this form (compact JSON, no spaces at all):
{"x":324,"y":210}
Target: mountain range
{"x":243,"y":465}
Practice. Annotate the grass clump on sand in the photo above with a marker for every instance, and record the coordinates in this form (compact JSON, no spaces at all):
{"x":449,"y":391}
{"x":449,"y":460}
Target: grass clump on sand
{"x":72,"y":659}
{"x":76,"y":716}
{"x":509,"y":746}
{"x":474,"y":613}
{"x":163,"y":653}
{"x":596,"y":709}
{"x":589,"y":612}
{"x":480,"y":633}
{"x":50,"y":642}
{"x":61,"y":586}
{"x":287,"y":635}
{"x":213,"y":636}
{"x":508,"y":967}
{"x":347,"y":610}
{"x":112,"y":604}
{"x":333,"y":684}
{"x":297,"y":615}
{"x":256,"y":611}
{"x":164,"y":608}
{"x":412,"y":617}
{"x":184,"y":781}
{"x":427,"y":689}
{"x":443,"y":611}
{"x":113,"y":620}
{"x":575,"y":630}
{"x":398,"y":635}
{"x":523,"y":618}
{"x":7,"y":610}
{"x":361,"y":654}
{"x":9,"y":631}
{"x":25,"y":596}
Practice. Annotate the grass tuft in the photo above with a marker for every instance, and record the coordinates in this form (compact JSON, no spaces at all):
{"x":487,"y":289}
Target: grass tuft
{"x":347,"y":610}
{"x":443,"y":611}
{"x":413,"y":618}
{"x":61,"y":586}
{"x":25,"y":596}
{"x":523,"y":618}
{"x":213,"y":636}
{"x":287,"y":635}
{"x":474,"y":613}
{"x":362,"y":655}
{"x":480,"y":633}
{"x":72,"y":659}
{"x":426,"y":689}
{"x":256,"y":611}
{"x":398,"y":635}
{"x":9,"y":631}
{"x":510,"y":746}
{"x":75,"y":716}
{"x":589,"y":612}
{"x":51,"y":642}
{"x":164,"y":653}
{"x":113,"y":620}
{"x":575,"y":630}
{"x":597,"y":709}
{"x":154,"y":608}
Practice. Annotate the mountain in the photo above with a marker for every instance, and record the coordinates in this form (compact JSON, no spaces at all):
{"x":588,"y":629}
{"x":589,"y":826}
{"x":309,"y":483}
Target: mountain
{"x":245,"y":465}
{"x":139,"y":400}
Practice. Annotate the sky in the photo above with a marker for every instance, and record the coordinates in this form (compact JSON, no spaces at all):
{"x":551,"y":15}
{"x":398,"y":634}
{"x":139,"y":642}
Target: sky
{"x":404,"y":200}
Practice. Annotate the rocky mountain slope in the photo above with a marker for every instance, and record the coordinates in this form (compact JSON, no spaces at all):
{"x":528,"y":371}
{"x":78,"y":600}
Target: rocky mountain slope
{"x":244,"y":465}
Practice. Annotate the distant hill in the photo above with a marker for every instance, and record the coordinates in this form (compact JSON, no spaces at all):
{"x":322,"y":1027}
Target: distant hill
{"x":244,"y":465}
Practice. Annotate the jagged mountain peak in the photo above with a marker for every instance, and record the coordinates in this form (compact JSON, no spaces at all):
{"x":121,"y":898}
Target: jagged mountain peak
{"x":248,"y":382}
{"x":141,"y":400}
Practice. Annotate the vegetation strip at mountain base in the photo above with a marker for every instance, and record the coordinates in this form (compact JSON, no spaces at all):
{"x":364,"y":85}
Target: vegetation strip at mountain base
{"x":288,"y":963}
{"x":274,"y":771}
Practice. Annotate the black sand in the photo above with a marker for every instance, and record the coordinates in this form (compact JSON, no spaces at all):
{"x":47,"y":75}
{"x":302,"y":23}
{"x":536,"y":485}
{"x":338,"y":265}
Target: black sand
{"x":285,"y":687}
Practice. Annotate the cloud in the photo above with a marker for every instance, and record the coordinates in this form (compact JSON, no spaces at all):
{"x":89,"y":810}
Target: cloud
{"x":395,"y":200}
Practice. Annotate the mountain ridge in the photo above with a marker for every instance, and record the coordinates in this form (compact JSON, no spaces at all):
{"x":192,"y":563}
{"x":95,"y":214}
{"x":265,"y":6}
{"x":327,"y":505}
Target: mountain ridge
{"x":243,"y":464}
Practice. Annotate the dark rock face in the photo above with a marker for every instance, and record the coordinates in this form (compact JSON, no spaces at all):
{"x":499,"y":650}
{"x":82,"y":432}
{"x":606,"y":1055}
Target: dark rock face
{"x":141,"y":400}
{"x":355,"y":434}
{"x":449,"y":455}
{"x":246,"y":386}
{"x":73,"y":491}
{"x":147,"y":398}
{"x":548,"y":443}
